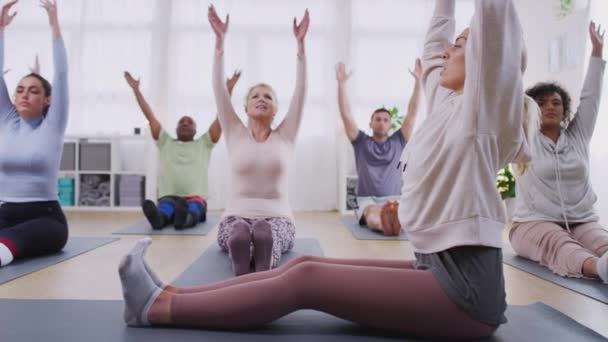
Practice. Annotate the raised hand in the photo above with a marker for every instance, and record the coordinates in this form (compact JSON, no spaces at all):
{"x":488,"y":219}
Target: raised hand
{"x":299,"y":30}
{"x":220,"y":28}
{"x":36,"y":68}
{"x":5,"y":17}
{"x":597,"y":39}
{"x":417,"y":72}
{"x":341,"y":75}
{"x":51,"y":9}
{"x":133,"y":83}
{"x":231,"y":82}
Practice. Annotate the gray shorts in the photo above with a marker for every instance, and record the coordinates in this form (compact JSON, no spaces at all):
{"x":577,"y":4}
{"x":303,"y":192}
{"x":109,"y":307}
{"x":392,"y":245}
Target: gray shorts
{"x":365,"y":201}
{"x":472,"y":277}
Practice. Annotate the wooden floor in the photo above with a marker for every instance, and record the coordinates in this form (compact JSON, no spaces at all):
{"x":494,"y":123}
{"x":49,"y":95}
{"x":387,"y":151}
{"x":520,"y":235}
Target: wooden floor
{"x":94,"y":275}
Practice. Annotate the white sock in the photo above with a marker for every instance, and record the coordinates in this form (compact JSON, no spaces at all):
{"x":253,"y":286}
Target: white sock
{"x":6,"y":256}
{"x":138,"y":288}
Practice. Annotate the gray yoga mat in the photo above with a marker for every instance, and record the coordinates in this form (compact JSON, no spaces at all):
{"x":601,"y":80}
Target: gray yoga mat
{"x":213,"y":265}
{"x":591,"y":288}
{"x":364,"y":233}
{"x":81,"y":320}
{"x":75,"y":246}
{"x":143,"y":228}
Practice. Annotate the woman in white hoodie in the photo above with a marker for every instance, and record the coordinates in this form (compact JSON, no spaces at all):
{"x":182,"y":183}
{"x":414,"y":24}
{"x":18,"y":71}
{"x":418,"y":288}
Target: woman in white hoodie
{"x":554,"y":222}
{"x":451,"y":209}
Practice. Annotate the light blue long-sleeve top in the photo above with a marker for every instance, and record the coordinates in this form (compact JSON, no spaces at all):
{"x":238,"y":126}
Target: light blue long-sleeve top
{"x":30,"y":151}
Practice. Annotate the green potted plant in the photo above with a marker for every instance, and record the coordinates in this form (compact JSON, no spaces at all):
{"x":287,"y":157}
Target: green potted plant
{"x":505,"y":183}
{"x":564,"y":8}
{"x":396,"y":119}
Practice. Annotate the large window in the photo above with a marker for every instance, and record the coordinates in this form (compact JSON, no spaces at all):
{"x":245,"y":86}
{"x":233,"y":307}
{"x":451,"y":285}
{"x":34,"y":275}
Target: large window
{"x":169,"y":44}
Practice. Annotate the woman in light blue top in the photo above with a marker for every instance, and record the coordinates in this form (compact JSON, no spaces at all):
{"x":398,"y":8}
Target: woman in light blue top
{"x":31,"y":220}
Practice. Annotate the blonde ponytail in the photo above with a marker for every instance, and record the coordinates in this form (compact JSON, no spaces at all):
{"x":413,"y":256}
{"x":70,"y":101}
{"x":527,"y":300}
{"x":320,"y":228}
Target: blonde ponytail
{"x":531,"y":128}
{"x":531,"y":115}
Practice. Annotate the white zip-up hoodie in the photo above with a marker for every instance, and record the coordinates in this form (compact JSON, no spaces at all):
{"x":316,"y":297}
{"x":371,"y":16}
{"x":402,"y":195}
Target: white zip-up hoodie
{"x":449,"y":196}
{"x":556,"y":186}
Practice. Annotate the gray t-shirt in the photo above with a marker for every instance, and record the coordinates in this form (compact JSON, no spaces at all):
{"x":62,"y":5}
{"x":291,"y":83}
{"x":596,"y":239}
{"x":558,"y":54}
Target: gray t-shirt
{"x":378,"y":164}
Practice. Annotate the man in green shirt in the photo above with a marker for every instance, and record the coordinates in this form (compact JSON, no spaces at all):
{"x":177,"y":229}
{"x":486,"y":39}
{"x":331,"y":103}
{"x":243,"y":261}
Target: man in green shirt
{"x":184,"y":163}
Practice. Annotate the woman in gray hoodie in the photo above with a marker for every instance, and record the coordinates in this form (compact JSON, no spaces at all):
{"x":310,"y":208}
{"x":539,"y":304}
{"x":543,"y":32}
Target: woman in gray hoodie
{"x":554,"y":222}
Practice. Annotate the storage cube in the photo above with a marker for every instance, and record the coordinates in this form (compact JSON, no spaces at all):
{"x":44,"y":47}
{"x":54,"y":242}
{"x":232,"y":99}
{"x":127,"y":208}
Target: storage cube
{"x":68,"y":157}
{"x":95,"y":156}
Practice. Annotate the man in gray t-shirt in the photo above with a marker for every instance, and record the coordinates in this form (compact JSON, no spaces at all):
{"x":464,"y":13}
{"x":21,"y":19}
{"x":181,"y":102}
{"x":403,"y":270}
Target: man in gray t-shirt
{"x":377,"y":156}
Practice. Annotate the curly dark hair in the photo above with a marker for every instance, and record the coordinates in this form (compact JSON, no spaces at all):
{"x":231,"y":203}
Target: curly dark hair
{"x":548,"y":88}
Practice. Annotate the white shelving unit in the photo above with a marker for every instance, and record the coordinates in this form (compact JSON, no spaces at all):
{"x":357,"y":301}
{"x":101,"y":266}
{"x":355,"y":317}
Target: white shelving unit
{"x":350,"y":193}
{"x":111,"y":157}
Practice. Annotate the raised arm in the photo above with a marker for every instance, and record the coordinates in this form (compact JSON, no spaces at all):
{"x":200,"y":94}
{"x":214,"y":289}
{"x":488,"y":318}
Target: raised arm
{"x":586,"y":114}
{"x":51,"y":9}
{"x":438,"y":38}
{"x":215,"y":130}
{"x":6,"y":105}
{"x":155,"y":126}
{"x":225,"y":111}
{"x":289,"y":127}
{"x":58,"y":111}
{"x":407,"y":127}
{"x":36,"y":67}
{"x":350,"y":125}
{"x":493,"y":88}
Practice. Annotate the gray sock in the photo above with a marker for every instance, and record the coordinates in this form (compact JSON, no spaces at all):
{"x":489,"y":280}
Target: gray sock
{"x":262,"y":245}
{"x":151,"y":272}
{"x":602,"y":267}
{"x":153,"y":275}
{"x":239,"y":248}
{"x":138,"y":289}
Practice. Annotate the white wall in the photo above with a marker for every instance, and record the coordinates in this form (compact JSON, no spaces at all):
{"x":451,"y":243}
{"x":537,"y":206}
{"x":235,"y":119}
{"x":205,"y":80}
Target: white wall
{"x":599,"y":144}
{"x":541,"y":26}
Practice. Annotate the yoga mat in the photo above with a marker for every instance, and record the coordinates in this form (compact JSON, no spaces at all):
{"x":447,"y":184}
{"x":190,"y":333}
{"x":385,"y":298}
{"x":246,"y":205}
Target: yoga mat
{"x":594,"y":289}
{"x":213,"y":265}
{"x":75,"y":246}
{"x":143,"y":228}
{"x":101,"y":321}
{"x":364,"y":233}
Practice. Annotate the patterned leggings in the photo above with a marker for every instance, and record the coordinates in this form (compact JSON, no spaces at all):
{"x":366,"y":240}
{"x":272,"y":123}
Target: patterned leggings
{"x":283,"y":234}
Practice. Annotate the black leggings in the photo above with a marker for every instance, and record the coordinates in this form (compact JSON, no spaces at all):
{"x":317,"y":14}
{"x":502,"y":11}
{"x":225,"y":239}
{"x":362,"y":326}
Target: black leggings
{"x":35,"y":228}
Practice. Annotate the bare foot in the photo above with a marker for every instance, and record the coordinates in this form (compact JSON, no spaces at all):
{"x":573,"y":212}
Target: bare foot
{"x":389,"y":216}
{"x":160,"y":311}
{"x":172,"y":289}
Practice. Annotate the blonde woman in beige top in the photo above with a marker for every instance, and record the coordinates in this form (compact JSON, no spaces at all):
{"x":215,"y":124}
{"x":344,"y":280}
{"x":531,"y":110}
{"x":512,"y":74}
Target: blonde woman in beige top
{"x":258,"y":225}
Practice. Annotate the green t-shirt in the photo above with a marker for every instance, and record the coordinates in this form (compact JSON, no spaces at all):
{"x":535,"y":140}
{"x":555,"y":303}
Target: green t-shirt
{"x":184,"y":166}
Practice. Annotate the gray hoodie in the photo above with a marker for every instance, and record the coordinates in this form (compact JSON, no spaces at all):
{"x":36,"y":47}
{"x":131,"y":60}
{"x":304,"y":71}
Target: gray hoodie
{"x":556,"y":186}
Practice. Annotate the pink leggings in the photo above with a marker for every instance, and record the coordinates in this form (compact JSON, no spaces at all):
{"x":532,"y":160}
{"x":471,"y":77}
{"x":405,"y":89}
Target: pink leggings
{"x":554,"y":247}
{"x":389,"y":295}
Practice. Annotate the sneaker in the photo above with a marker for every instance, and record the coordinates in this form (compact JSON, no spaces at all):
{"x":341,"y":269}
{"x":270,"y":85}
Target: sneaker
{"x":153,"y":215}
{"x":181,"y":213}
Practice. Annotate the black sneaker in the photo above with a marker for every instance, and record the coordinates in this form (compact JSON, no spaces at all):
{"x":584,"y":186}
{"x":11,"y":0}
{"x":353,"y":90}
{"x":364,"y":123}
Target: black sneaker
{"x":181,"y":213}
{"x":155,"y":217}
{"x":204,"y":214}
